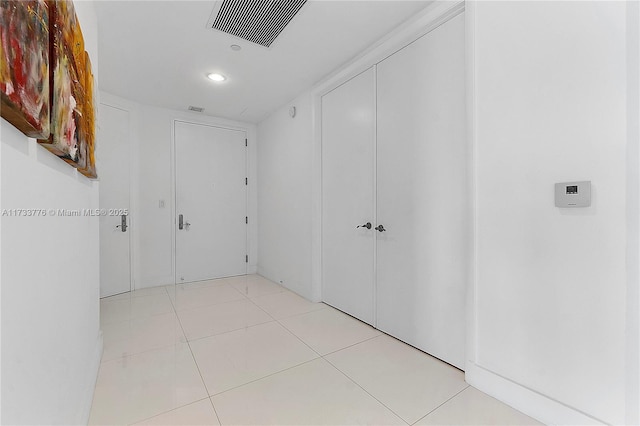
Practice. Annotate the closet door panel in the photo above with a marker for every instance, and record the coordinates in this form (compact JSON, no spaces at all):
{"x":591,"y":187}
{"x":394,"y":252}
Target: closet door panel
{"x":348,"y":135}
{"x":422,"y":194}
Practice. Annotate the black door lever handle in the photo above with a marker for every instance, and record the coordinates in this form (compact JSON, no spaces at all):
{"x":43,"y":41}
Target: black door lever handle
{"x":380,"y":228}
{"x":366,"y":225}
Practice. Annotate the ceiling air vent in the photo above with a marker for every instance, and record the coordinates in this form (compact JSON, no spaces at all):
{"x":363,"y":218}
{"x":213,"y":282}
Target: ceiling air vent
{"x":258,"y":21}
{"x":195,"y":109}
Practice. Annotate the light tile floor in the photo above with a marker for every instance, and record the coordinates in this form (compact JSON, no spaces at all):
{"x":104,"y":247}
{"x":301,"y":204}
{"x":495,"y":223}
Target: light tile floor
{"x":246,"y":351}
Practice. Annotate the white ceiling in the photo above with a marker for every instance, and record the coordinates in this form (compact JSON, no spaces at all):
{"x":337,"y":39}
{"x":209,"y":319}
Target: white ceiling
{"x":159,"y":52}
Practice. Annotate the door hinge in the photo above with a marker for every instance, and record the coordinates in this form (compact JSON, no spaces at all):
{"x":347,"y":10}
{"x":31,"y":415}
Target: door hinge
{"x":246,"y":142}
{"x":246,"y":258}
{"x":246,"y":220}
{"x":246,"y":181}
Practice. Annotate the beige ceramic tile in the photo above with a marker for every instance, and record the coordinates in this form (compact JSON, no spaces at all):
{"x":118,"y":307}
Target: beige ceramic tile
{"x":139,"y":335}
{"x":199,"y":413}
{"x":255,"y":285}
{"x":150,"y":291}
{"x":286,"y":304}
{"x":137,"y":387}
{"x":189,"y":298}
{"x":472,"y":407}
{"x":232,"y":359}
{"x":310,"y":394}
{"x":201,"y":284}
{"x":408,"y":381}
{"x":329,"y":330}
{"x":239,"y":279}
{"x":217,"y":319}
{"x":134,"y":307}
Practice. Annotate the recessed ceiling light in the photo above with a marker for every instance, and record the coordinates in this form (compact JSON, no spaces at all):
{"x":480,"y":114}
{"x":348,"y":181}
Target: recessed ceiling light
{"x":216,"y":77}
{"x":235,"y":47}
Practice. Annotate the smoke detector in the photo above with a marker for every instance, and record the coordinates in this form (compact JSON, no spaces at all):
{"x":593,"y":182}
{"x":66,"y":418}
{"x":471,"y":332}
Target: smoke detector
{"x":257,"y":21}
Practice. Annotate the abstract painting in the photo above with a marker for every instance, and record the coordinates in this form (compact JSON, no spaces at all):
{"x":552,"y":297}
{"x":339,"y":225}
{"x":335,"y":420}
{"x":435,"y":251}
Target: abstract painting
{"x":66,"y":88}
{"x":24,"y":65}
{"x":87,"y":160}
{"x":72,"y":110}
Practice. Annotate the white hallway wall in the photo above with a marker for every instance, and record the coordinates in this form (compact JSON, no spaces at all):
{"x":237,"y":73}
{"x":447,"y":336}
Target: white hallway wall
{"x":152,"y":227}
{"x":549,"y":302}
{"x":51,"y":340}
{"x":285,"y":197}
{"x":633,"y":214}
{"x":550,"y":89}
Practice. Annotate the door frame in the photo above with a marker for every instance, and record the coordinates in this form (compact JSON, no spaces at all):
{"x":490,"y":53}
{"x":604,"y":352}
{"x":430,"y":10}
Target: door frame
{"x":251,"y":194}
{"x":109,"y":101}
{"x":428,"y":20}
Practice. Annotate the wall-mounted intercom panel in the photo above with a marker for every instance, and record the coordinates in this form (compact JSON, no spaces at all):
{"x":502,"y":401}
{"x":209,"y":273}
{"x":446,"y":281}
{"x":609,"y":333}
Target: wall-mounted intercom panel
{"x":573,"y":194}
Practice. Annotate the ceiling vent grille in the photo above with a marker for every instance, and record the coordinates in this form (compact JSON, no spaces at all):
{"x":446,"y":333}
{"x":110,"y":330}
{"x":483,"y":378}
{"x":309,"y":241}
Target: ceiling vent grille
{"x":257,"y":21}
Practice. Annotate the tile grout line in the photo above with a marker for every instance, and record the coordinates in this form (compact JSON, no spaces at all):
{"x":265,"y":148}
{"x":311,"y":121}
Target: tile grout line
{"x":195,"y":361}
{"x":229,"y":331}
{"x":166,"y":346}
{"x":137,"y":319}
{"x":175,"y":313}
{"x":282,"y":290}
{"x":265,"y":377}
{"x":305,"y":313}
{"x":260,"y":307}
{"x":458,"y":393}
{"x":209,"y":396}
{"x":120,"y":297}
{"x":366,"y":391}
{"x":246,"y":298}
{"x":214,"y":409}
{"x":333,"y":366}
{"x":122,"y":357}
{"x":352,"y":345}
{"x":285,"y":290}
{"x":255,"y":325}
{"x":289,"y":331}
{"x":165,"y":412}
{"x":193,"y":355}
{"x":353,"y":380}
{"x":299,"y":338}
{"x":212,"y":304}
{"x":320,"y":356}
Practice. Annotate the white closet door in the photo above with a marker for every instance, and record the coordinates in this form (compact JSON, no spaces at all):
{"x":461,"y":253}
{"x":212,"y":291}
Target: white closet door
{"x":113,"y":166}
{"x":422,"y":194}
{"x":348,"y":136}
{"x":211,"y":198}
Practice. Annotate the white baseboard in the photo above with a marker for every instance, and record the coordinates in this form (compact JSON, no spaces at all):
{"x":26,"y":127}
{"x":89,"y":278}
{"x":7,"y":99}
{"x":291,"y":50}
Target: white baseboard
{"x":529,"y":402}
{"x":91,"y":377}
{"x":276,"y":278}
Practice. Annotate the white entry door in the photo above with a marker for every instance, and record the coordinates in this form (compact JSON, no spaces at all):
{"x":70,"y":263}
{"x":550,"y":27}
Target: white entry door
{"x":211,"y":202}
{"x":422,"y":194}
{"x":348,"y":196}
{"x":112,"y":157}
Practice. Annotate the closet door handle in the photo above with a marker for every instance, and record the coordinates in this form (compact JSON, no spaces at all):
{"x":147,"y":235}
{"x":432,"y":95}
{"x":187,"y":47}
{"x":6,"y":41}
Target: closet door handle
{"x":380,"y":228}
{"x":180,"y":222}
{"x":366,"y":225}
